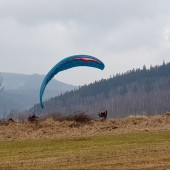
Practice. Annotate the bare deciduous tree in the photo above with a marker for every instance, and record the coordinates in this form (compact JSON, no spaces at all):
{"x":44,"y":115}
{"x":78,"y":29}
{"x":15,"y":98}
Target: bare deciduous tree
{"x":1,"y":79}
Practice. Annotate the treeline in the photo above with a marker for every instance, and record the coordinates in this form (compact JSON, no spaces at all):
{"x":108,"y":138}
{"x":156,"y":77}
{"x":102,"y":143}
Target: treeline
{"x":138,"y":91}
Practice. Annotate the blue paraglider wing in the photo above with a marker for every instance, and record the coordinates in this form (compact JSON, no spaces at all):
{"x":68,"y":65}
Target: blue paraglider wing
{"x":67,"y":63}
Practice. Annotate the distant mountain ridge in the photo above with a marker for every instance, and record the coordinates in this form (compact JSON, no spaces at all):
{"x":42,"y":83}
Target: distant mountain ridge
{"x":21,"y":91}
{"x":12,"y":81}
{"x":138,"y":91}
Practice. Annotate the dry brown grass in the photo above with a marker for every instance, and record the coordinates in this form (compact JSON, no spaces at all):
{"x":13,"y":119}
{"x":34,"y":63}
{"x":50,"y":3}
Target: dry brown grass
{"x":53,"y":128}
{"x":136,"y":142}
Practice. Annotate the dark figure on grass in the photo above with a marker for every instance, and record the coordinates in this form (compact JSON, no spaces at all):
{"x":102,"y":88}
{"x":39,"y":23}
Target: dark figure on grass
{"x":103,"y":115}
{"x":32,"y":118}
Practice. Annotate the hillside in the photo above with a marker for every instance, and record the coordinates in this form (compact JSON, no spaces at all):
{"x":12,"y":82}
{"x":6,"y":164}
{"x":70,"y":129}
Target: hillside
{"x":138,"y":91}
{"x":21,"y":91}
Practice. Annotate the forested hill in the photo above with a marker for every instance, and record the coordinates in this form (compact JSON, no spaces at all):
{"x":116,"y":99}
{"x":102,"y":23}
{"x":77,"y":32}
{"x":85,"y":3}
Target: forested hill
{"x":138,"y":91}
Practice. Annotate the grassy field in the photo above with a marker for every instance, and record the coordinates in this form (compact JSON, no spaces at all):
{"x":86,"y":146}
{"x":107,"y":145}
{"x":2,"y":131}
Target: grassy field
{"x":144,"y":150}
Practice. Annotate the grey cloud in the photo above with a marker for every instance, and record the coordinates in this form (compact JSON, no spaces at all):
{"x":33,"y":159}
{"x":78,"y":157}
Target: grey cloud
{"x":89,"y":11}
{"x":35,"y":34}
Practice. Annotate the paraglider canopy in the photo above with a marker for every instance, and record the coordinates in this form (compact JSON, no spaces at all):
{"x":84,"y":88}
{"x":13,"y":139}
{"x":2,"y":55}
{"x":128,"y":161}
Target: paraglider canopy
{"x":67,"y":63}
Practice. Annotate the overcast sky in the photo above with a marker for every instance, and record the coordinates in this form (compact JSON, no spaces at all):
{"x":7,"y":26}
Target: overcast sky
{"x":124,"y":34}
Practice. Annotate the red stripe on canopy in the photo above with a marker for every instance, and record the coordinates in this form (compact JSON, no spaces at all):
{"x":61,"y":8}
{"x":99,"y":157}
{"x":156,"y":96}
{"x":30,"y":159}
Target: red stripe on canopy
{"x":86,"y":59}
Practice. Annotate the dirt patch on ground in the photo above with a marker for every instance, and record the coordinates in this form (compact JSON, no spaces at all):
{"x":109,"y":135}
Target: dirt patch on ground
{"x":52,"y":128}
